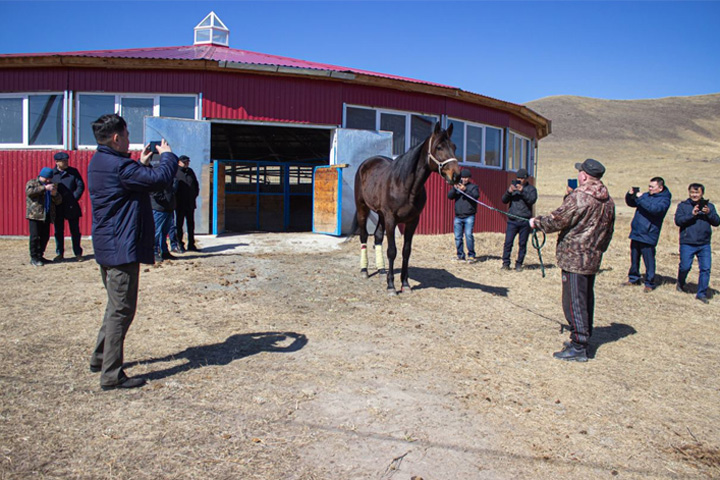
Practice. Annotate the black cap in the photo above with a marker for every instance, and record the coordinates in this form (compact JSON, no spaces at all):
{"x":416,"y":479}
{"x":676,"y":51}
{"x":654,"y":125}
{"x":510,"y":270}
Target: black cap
{"x":592,"y":167}
{"x":522,"y":173}
{"x":60,"y":156}
{"x":465,"y":173}
{"x":183,"y":158}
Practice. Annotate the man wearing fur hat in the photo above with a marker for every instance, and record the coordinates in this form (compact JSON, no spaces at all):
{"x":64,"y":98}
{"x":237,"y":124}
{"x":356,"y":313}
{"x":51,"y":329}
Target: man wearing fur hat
{"x":41,"y":197}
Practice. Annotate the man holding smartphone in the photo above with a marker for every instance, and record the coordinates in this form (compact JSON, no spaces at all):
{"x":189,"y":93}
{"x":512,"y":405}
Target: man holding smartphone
{"x":521,"y":196}
{"x":696,"y":216}
{"x":651,"y":208}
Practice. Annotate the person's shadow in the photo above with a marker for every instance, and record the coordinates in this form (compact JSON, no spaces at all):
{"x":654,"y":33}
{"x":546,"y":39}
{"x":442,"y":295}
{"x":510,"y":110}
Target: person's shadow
{"x":233,"y":348}
{"x":440,"y":278}
{"x":609,"y":334}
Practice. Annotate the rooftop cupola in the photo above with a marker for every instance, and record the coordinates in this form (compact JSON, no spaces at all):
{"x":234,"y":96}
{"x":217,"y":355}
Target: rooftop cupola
{"x":212,"y":31}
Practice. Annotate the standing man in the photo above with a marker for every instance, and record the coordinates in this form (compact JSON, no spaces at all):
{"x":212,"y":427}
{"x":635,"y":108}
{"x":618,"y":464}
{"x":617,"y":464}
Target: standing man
{"x":122,"y":235}
{"x":187,"y":193}
{"x":585,"y":220}
{"x":521,"y":196}
{"x":71,"y":187}
{"x":163,"y":207}
{"x":41,"y":198}
{"x":696,"y":217}
{"x":645,"y":229}
{"x":465,"y":209}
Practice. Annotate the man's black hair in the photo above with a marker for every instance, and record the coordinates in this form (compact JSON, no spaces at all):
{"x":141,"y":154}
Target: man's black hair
{"x":107,"y":126}
{"x":697,"y":186}
{"x":659,"y":180}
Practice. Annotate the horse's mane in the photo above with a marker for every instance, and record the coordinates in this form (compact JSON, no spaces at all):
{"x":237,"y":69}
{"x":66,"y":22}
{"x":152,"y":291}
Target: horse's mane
{"x":404,"y":165}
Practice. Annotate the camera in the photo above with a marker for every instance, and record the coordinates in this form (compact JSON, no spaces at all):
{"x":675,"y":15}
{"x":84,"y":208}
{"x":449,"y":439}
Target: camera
{"x":636,"y":189}
{"x":515,"y":182}
{"x":153,"y":146}
{"x":702,"y":203}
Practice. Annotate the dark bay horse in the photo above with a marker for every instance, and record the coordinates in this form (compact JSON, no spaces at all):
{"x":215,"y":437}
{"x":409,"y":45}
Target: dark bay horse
{"x":395,"y":190}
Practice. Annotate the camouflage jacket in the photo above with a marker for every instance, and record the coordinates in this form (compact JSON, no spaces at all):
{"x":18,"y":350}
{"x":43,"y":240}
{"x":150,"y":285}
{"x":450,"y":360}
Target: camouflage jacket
{"x":35,"y":201}
{"x":585,"y":220}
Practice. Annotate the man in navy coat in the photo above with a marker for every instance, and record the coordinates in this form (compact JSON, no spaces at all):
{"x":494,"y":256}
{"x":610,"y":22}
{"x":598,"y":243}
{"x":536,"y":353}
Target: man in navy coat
{"x":652,"y":207}
{"x":71,"y":186}
{"x":122,"y":234}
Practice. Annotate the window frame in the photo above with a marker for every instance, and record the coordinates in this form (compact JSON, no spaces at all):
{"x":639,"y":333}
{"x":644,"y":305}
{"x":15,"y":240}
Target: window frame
{"x":378,"y":114}
{"x":527,"y":155}
{"x":118,"y":104}
{"x":484,"y":127}
{"x":25,"y":97}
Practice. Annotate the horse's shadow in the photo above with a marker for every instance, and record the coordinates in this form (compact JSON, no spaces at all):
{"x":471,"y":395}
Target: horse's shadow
{"x":439,"y":278}
{"x":609,"y":334}
{"x":233,"y":348}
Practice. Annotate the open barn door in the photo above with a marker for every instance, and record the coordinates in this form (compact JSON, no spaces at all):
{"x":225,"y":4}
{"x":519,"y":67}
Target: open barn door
{"x":191,"y":138}
{"x":349,"y":149}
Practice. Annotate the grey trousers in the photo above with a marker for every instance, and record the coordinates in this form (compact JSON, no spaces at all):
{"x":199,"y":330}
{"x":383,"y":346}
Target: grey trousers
{"x":121,"y":284}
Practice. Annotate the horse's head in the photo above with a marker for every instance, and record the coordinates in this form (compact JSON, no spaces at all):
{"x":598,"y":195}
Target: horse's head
{"x":441,"y":154}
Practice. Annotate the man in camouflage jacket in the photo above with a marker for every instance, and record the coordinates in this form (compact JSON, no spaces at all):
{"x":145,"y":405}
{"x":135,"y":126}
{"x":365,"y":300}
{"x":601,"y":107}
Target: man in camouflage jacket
{"x":41,"y":196}
{"x":586,"y":221}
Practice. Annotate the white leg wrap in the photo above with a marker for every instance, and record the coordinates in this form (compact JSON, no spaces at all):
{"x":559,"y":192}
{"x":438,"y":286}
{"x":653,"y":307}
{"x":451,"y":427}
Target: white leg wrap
{"x":363,"y":256}
{"x":379,"y":257}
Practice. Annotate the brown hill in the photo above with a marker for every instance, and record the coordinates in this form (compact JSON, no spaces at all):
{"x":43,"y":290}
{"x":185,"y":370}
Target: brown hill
{"x":677,"y":138}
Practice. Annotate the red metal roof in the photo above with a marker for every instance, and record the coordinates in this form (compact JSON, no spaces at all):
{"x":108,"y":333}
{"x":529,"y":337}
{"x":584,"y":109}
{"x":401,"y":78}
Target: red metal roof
{"x":218,"y":54}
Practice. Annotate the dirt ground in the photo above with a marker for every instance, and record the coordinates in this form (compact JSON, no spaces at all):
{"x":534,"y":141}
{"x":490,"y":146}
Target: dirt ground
{"x":269,"y":357}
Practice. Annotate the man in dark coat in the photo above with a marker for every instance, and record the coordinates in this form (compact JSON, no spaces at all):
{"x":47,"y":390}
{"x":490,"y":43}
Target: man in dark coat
{"x":122,"y":234}
{"x":163,"y":207}
{"x":465,"y":208}
{"x":71,"y":186}
{"x":652,"y":207}
{"x":187,"y":192}
{"x":696,"y":217}
{"x":521,"y":196}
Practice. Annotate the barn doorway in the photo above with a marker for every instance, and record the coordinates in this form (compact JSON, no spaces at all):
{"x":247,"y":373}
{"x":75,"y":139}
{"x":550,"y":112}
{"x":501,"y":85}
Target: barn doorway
{"x":268,"y":172}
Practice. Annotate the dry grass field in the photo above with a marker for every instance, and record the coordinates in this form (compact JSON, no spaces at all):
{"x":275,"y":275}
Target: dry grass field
{"x":289,"y":365}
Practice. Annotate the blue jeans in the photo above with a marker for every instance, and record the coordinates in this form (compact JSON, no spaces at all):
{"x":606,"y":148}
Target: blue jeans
{"x":647,"y":252}
{"x":172,"y":233}
{"x":460,"y":226}
{"x":162,"y":227}
{"x":704,"y":256}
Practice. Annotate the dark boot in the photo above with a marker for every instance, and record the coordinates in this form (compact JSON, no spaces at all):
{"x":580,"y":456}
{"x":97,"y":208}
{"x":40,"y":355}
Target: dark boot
{"x":572,"y":353}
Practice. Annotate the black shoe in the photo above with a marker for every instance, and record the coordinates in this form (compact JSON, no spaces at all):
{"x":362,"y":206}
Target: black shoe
{"x":59,"y":258}
{"x":95,"y":369}
{"x":704,"y":300}
{"x":36,"y":263}
{"x":79,"y":258}
{"x":176,"y":250}
{"x":571,"y":353}
{"x":518,"y":267}
{"x":505,"y":267}
{"x":193,"y":248}
{"x":127,"y":382}
{"x":45,"y":260}
{"x":681,"y":288}
{"x":169,"y":256}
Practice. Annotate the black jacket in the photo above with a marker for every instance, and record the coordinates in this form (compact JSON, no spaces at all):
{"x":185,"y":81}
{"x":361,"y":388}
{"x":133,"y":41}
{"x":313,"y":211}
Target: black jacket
{"x":521,"y":202}
{"x":187,"y":189}
{"x":464,"y":207}
{"x":71,"y":186}
{"x":164,"y":200}
{"x":695,"y":229}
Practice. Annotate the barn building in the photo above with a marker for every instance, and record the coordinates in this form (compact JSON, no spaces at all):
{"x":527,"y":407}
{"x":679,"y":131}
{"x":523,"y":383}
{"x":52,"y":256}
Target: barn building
{"x":261,"y":122}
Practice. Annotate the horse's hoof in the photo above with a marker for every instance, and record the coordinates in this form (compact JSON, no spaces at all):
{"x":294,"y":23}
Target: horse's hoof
{"x":406,"y":289}
{"x":391,"y":292}
{"x":364,"y":273}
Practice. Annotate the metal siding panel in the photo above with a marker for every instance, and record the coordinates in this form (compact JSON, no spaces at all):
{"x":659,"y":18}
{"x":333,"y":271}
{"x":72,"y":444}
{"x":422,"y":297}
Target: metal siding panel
{"x":19,"y":166}
{"x":33,"y":80}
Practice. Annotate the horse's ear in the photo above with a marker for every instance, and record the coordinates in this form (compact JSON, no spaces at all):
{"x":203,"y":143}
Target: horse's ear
{"x":438,"y":128}
{"x":449,"y":130}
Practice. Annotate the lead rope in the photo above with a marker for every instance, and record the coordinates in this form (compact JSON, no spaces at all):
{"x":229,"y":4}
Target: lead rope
{"x":536,"y":243}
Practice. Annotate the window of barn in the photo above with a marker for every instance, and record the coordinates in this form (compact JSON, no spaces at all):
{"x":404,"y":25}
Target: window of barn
{"x":518,"y":152}
{"x":132,"y":108}
{"x":476,"y":144}
{"x":32,"y":120}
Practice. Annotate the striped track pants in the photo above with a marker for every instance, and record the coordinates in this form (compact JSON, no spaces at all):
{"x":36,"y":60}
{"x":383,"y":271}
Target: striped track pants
{"x":578,"y":299}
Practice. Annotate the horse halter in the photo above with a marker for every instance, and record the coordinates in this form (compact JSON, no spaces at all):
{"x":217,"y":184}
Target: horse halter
{"x":438,"y":162}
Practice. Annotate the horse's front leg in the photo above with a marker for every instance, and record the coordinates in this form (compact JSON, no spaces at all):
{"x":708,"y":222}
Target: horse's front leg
{"x":407,"y":249}
{"x":391,"y":254}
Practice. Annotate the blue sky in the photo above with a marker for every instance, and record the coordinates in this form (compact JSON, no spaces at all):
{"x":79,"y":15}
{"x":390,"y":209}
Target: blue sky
{"x":515,"y":51}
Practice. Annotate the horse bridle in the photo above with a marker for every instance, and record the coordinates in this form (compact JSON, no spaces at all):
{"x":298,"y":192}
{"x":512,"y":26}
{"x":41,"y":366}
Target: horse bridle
{"x":438,"y":162}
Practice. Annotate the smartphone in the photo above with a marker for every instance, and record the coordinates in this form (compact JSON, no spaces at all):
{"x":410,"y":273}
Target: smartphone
{"x":153,"y":146}
{"x":636,"y":189}
{"x":702,"y":203}
{"x":572,"y":183}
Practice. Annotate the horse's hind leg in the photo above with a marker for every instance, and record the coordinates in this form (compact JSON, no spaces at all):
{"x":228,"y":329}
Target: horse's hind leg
{"x":379,"y":234}
{"x":361,"y":217}
{"x":407,"y":249}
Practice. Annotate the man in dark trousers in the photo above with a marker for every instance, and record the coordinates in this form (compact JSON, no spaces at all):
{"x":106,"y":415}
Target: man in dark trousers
{"x":163,"y":207}
{"x":41,"y":200}
{"x":122,"y":235}
{"x":521,"y":196}
{"x":586,"y":221}
{"x":696,"y":216}
{"x":651,"y":208}
{"x":465,"y":209}
{"x":71,"y":186}
{"x":188,"y":190}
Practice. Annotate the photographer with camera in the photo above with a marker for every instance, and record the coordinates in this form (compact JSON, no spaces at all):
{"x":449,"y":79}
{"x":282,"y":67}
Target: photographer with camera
{"x":651,"y":208}
{"x":41,"y":197}
{"x":521,"y":196}
{"x":465,"y":210}
{"x":696,"y":216}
